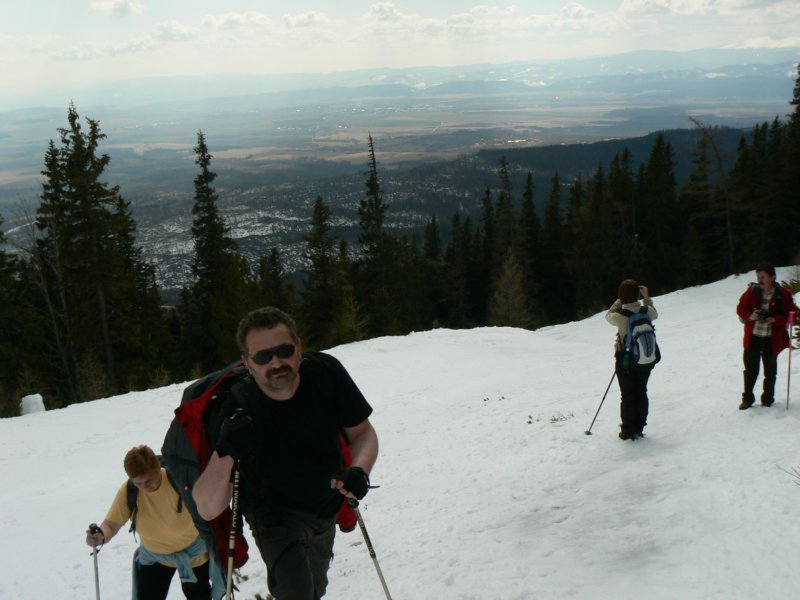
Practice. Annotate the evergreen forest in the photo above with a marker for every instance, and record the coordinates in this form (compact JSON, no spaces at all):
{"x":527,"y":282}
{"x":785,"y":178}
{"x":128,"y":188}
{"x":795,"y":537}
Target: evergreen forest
{"x":81,"y":316}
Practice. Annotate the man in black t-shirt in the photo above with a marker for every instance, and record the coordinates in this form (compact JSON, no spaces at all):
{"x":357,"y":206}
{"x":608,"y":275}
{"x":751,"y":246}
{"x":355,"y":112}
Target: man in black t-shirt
{"x":282,"y":423}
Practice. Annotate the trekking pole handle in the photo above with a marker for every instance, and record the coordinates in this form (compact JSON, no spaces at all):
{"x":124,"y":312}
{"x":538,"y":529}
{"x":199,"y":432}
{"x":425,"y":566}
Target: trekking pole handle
{"x":95,"y":528}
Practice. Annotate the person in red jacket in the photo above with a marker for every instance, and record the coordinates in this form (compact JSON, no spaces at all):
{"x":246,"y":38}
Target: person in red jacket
{"x":764,"y":309}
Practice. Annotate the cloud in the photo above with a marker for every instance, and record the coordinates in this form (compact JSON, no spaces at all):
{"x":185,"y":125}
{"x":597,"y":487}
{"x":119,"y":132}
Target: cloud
{"x":645,"y":7}
{"x":306,"y":19}
{"x":238,"y":21}
{"x":689,"y":7}
{"x":77,"y":53}
{"x":164,"y":33}
{"x":573,"y":10}
{"x":384,"y":11}
{"x":117,"y":8}
{"x":173,"y":31}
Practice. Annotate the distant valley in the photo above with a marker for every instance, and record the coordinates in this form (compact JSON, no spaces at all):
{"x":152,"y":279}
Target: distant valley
{"x":280,"y":142}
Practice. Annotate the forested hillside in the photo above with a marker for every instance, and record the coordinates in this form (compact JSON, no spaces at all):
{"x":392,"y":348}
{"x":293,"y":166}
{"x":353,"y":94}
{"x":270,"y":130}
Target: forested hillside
{"x":81,"y":316}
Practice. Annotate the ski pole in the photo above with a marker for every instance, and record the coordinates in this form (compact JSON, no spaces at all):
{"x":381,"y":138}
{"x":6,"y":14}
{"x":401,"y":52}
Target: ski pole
{"x":232,"y":534}
{"x":354,"y":505}
{"x":790,"y":323}
{"x":95,"y":529}
{"x":589,"y":431}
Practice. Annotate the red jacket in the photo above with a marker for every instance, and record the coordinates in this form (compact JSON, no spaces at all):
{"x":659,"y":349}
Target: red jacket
{"x":751,"y":301}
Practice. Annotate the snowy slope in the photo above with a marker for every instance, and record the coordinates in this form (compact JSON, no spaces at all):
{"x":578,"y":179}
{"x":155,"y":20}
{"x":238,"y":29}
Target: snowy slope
{"x":489,"y":487}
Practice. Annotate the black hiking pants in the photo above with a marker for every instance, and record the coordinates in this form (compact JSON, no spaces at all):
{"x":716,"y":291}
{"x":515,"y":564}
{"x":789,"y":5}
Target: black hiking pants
{"x":154,"y":580}
{"x":760,"y":350}
{"x":634,"y":405}
{"x":297,"y":548}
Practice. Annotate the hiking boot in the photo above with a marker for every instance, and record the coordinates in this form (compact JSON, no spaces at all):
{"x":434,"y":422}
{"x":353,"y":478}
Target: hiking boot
{"x":767,"y":402}
{"x":745,"y":404}
{"x":638,"y":434}
{"x":624,"y":435}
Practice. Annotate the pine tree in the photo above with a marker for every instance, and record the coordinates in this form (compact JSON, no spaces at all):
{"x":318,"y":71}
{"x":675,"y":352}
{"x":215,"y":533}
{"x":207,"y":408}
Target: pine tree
{"x":528,"y":249}
{"x":596,"y":254}
{"x":376,"y":273}
{"x":92,"y":288}
{"x":658,"y":219}
{"x":323,"y":281}
{"x":433,"y":275}
{"x":623,"y":208}
{"x":791,"y":175}
{"x":372,"y":212}
{"x":557,"y":303}
{"x":502,"y":234}
{"x":350,"y":324}
{"x":11,"y":330}
{"x":459,"y":258}
{"x":779,"y":200}
{"x":274,"y":286}
{"x":509,"y":306}
{"x":222,"y":289}
{"x":702,"y":222}
{"x":748,"y":188}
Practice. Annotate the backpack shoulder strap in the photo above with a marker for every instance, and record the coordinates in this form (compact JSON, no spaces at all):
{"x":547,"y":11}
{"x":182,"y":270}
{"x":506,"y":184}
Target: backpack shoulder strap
{"x":132,"y":496}
{"x":172,"y":482}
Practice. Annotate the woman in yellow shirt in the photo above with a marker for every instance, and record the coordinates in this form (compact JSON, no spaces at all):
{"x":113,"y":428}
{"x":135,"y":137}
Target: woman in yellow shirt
{"x":168,"y":536}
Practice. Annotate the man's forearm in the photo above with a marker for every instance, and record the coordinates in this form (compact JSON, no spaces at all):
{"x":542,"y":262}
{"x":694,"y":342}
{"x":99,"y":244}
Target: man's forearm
{"x":213,"y":489}
{"x":364,"y":449}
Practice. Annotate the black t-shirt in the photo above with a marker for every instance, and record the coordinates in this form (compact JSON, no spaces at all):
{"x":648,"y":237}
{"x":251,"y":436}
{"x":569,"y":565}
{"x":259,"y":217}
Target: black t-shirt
{"x":297,"y":446}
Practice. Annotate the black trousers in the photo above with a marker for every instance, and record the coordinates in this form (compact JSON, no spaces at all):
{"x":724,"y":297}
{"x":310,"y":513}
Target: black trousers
{"x":634,"y":405}
{"x":760,"y":350}
{"x":154,"y":582}
{"x":296,"y":547}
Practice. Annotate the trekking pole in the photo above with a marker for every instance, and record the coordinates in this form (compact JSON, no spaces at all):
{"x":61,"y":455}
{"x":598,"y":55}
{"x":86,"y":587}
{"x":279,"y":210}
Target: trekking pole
{"x":790,"y":322}
{"x":354,"y":505}
{"x":95,"y":529}
{"x":589,"y":431}
{"x":232,"y":534}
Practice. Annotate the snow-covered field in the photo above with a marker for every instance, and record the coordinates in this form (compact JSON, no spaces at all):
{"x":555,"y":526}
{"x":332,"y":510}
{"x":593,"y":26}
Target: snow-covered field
{"x":489,"y":487}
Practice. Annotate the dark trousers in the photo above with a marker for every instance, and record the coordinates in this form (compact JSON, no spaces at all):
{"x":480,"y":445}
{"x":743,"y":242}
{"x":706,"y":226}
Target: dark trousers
{"x":154,"y":582}
{"x":760,"y":350}
{"x":634,"y":405}
{"x":296,"y":547}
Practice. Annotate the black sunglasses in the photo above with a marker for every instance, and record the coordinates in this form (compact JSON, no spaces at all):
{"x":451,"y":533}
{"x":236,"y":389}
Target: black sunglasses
{"x":263,"y":357}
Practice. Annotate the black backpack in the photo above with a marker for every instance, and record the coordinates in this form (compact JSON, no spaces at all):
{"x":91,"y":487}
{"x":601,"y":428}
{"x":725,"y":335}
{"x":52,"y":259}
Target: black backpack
{"x":186,"y":451}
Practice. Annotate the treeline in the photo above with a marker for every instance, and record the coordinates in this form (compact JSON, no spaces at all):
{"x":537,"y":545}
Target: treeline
{"x":81,"y":317}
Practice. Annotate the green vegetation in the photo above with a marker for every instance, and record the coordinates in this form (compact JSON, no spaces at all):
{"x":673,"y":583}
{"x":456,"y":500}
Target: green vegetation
{"x":80,"y":316}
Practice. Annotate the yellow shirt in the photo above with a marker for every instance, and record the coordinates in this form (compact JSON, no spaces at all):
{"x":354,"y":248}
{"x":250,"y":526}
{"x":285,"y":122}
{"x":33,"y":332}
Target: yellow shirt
{"x":161,"y":528}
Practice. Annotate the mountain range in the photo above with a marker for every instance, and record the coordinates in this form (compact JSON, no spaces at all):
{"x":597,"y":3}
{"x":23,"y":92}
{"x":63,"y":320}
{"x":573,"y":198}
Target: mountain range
{"x":280,"y":141}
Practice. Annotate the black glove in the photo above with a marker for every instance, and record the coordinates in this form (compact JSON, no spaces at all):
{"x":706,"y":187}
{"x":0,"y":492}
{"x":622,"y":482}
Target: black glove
{"x":236,"y":436}
{"x":355,"y":480}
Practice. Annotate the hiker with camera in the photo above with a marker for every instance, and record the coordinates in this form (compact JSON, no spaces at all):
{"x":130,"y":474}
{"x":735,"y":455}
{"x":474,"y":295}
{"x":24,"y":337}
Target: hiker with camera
{"x":764,"y":310}
{"x":635,"y":354}
{"x":280,"y":427}
{"x":169,"y":539}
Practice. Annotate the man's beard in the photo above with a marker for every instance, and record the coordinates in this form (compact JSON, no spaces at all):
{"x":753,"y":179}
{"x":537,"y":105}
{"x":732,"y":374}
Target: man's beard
{"x":280,"y":379}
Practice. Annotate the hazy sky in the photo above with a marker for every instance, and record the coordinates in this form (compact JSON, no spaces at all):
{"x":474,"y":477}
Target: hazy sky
{"x":45,"y":43}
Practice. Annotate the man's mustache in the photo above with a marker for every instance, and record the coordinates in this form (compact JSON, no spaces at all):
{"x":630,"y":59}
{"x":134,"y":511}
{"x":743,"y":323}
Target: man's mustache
{"x":280,"y":370}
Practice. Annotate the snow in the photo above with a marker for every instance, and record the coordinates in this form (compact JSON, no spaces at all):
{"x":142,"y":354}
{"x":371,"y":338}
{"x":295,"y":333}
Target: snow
{"x":31,"y":403}
{"x":489,"y":487}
